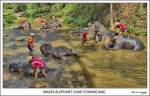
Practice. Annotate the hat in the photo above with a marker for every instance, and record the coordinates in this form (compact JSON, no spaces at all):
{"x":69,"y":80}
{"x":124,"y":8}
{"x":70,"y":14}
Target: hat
{"x":85,"y":28}
{"x":32,"y":34}
{"x":28,"y":58}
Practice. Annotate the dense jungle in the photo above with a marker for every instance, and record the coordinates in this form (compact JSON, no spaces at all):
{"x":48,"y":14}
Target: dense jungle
{"x":97,"y":67}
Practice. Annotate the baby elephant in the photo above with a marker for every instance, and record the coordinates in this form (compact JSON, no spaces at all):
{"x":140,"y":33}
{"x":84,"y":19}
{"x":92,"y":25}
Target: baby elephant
{"x":58,"y":52}
{"x":24,"y":26}
{"x":129,"y":42}
{"x":24,"y":69}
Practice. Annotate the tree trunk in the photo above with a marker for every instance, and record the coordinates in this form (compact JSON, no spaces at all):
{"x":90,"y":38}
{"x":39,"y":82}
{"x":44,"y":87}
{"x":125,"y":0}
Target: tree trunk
{"x":111,"y":21}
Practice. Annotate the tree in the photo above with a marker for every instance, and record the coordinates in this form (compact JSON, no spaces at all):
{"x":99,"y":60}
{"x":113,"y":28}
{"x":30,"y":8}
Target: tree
{"x":111,"y":21}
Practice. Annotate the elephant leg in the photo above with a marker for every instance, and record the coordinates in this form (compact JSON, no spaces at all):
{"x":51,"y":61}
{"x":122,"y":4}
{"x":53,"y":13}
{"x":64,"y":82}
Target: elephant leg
{"x":103,"y":38}
{"x":118,"y":46}
{"x":96,"y":39}
{"x":136,"y":48}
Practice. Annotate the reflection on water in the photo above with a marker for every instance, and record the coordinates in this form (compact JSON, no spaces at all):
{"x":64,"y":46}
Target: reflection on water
{"x":97,"y":68}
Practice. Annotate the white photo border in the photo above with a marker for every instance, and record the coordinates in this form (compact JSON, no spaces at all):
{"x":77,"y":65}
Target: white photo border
{"x":75,"y":91}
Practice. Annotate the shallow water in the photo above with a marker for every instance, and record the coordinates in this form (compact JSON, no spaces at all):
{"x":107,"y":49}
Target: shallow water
{"x":96,"y":68}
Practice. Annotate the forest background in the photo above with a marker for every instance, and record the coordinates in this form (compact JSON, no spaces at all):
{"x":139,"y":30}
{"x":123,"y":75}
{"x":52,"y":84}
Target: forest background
{"x":133,"y":15}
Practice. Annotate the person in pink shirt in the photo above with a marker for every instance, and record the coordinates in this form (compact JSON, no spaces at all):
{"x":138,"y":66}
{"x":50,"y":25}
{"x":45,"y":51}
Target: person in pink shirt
{"x":84,"y":36}
{"x":37,"y":65}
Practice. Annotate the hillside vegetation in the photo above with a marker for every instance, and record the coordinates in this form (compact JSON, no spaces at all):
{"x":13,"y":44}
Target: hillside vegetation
{"x":133,"y":15}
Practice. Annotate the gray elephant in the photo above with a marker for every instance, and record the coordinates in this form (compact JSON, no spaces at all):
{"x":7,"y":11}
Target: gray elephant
{"x":77,"y":32}
{"x":56,"y":23}
{"x":109,"y":42}
{"x":24,"y":69}
{"x":129,"y":42}
{"x":48,"y":26}
{"x":24,"y":26}
{"x":51,"y":25}
{"x":98,"y":31}
{"x":57,"y":52}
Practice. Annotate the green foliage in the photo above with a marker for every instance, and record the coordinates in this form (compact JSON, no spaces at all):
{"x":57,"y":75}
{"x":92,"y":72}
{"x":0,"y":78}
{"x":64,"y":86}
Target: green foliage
{"x":80,"y":13}
{"x":8,"y":17}
{"x":141,"y":31}
{"x":32,"y":9}
{"x":133,"y":20}
{"x":19,"y":7}
{"x":57,"y":7}
{"x":131,"y":29}
{"x":8,"y":6}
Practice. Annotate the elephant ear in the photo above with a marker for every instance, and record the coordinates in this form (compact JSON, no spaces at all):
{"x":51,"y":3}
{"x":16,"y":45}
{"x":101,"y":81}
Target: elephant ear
{"x":101,"y":30}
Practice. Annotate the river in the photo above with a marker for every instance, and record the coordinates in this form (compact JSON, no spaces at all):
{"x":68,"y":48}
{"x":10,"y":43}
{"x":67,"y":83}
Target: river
{"x":96,"y":68}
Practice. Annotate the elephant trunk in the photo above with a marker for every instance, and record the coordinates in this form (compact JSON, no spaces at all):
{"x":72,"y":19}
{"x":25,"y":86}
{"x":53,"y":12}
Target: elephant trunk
{"x":106,"y":42}
{"x":71,"y":54}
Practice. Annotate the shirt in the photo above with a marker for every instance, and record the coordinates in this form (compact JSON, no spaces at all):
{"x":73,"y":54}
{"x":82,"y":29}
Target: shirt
{"x":37,"y":63}
{"x":84,"y":35}
{"x":42,"y":21}
{"x":121,"y":26}
{"x":22,"y":22}
{"x":30,"y":41}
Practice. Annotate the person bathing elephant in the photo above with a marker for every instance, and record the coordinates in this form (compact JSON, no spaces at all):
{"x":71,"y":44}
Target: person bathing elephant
{"x":109,"y":43}
{"x":24,"y":25}
{"x":25,"y":70}
{"x":56,"y":23}
{"x":98,"y":31}
{"x":57,"y":52}
{"x":51,"y":25}
{"x":129,"y":43}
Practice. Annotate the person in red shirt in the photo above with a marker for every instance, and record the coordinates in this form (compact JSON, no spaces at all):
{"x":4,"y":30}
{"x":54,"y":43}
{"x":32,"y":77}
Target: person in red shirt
{"x":22,"y":22}
{"x":43,"y":23}
{"x":30,"y":44}
{"x":122,"y":27}
{"x":84,"y":36}
{"x":37,"y":65}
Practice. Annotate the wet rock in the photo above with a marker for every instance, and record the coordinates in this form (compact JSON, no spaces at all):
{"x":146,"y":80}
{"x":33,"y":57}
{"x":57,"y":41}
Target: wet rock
{"x":16,"y":84}
{"x":41,"y":85}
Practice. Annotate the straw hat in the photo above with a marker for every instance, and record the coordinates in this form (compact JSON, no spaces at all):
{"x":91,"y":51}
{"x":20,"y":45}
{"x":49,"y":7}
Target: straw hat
{"x":28,"y":58}
{"x":32,"y":34}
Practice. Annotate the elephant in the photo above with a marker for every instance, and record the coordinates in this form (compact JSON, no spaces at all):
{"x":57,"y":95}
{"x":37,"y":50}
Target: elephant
{"x":56,"y":23}
{"x":98,"y":31}
{"x":25,"y":69}
{"x":128,"y":42}
{"x":48,"y":26}
{"x":77,"y":32}
{"x":109,"y":42}
{"x":24,"y":26}
{"x":57,"y":52}
{"x":45,"y":49}
{"x":51,"y":25}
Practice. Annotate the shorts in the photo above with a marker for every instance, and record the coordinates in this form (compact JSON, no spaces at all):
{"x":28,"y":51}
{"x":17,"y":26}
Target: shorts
{"x":84,"y":41}
{"x":41,"y":68}
{"x":31,"y":49}
{"x":123,"y":30}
